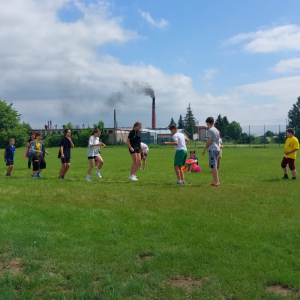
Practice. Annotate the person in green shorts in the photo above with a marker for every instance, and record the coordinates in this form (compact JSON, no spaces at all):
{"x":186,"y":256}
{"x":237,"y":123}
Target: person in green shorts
{"x":181,"y":152}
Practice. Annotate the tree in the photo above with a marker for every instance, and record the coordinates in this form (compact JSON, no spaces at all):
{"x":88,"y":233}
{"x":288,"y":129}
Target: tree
{"x":104,"y":135}
{"x":190,"y":122}
{"x":172,"y":121}
{"x":27,"y":126}
{"x":180,"y":123}
{"x":10,"y":126}
{"x":294,"y":115}
{"x":68,"y":126}
{"x":219,"y":125}
{"x":225,"y":121}
{"x":234,"y":131}
{"x":269,"y":133}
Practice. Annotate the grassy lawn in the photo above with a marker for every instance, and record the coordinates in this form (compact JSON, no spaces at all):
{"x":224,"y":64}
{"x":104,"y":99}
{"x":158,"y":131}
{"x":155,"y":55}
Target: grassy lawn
{"x":151,"y":239}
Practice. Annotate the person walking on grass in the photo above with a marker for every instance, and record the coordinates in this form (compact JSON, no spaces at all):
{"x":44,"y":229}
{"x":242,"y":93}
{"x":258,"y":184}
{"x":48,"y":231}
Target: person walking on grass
{"x":181,"y":152}
{"x":99,"y":163}
{"x":213,"y":148}
{"x":32,"y":138}
{"x":37,"y":153}
{"x":134,"y":145}
{"x":64,"y":153}
{"x":291,"y":147}
{"x":93,"y":154}
{"x":144,"y":155}
{"x":9,"y":154}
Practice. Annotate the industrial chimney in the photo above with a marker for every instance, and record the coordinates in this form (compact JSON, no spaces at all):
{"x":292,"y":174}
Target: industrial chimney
{"x":153,"y":114}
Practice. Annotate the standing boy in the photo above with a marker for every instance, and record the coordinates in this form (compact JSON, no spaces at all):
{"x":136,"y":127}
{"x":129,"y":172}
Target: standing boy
{"x":213,"y":148}
{"x":37,"y":153}
{"x":181,"y":152}
{"x":291,"y":147}
{"x":9,"y":154}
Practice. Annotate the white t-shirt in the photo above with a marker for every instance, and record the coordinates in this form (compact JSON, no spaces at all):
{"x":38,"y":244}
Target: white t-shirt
{"x":220,"y":142}
{"x":181,"y":141}
{"x":93,"y":150}
{"x":145,"y":148}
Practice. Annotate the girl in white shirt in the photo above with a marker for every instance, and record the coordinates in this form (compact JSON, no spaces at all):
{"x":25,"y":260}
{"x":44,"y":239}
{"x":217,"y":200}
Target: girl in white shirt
{"x":94,"y":154}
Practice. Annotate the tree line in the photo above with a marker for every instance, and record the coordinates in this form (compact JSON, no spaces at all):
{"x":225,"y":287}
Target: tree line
{"x":11,"y":127}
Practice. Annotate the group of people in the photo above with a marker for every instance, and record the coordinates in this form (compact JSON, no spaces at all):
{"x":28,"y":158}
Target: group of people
{"x":36,"y":152}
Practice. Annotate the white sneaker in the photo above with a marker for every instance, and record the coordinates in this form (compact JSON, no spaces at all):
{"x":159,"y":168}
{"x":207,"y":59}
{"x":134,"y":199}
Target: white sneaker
{"x":133,"y":178}
{"x":98,"y":174}
{"x":88,"y":179}
{"x":179,"y":182}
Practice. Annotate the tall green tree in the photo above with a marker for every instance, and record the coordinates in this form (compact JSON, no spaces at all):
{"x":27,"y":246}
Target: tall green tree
{"x":10,"y":126}
{"x":294,"y":115}
{"x":27,"y":126}
{"x":180,"y":124}
{"x":234,"y":131}
{"x":225,"y":121}
{"x":104,"y":135}
{"x":68,"y":126}
{"x":219,"y":125}
{"x":172,"y":121}
{"x":190,"y":122}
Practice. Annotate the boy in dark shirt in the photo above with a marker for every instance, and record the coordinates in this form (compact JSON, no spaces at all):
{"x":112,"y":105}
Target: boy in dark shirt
{"x":9,"y":154}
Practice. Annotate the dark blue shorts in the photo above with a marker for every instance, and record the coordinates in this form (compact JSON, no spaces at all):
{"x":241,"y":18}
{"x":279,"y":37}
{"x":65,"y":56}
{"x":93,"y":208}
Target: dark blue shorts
{"x":9,"y":162}
{"x":65,"y":160}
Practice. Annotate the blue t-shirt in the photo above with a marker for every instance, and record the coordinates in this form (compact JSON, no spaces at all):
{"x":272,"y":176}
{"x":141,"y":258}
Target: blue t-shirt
{"x":10,"y":152}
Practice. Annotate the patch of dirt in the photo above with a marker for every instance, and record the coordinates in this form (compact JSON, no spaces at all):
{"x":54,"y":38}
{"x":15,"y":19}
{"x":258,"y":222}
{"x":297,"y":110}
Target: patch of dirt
{"x":186,"y":283}
{"x":145,"y":256}
{"x":282,"y":290}
{"x":14,"y":266}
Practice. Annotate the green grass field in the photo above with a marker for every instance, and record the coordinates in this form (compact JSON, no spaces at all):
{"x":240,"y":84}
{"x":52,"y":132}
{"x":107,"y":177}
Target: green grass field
{"x":151,"y":239}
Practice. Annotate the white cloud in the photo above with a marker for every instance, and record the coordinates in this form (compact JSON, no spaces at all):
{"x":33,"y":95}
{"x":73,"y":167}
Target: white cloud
{"x":158,"y":23}
{"x":209,"y":74}
{"x":274,"y":39}
{"x":287,"y":65}
{"x":51,"y":70}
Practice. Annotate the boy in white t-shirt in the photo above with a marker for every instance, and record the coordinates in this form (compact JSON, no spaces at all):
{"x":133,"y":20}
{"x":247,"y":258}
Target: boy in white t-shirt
{"x":181,"y":152}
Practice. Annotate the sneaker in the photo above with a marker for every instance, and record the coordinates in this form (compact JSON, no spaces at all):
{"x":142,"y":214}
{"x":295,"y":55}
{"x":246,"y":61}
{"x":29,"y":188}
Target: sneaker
{"x":179,"y":182}
{"x":32,"y":176}
{"x":132,"y":178}
{"x":98,"y":174}
{"x":285,"y":177}
{"x":39,"y":175}
{"x":63,"y":177}
{"x":88,"y":179}
{"x":294,"y":178}
{"x":7,"y":174}
{"x":183,"y":182}
{"x":215,"y":184}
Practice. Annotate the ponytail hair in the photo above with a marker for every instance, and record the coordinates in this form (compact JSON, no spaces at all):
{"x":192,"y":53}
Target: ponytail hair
{"x":137,"y":124}
{"x":95,"y":131}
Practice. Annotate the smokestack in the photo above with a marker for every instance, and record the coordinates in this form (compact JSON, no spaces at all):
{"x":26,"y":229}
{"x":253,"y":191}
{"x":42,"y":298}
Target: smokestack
{"x":153,"y":114}
{"x":115,"y":119}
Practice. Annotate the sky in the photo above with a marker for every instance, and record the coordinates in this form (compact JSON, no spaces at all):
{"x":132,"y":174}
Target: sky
{"x":78,"y":60}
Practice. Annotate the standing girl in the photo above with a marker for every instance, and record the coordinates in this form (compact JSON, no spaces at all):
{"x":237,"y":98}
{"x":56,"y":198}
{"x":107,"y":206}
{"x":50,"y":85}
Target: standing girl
{"x":64,"y":153}
{"x":93,"y":153}
{"x":134,"y":145}
{"x":31,"y":139}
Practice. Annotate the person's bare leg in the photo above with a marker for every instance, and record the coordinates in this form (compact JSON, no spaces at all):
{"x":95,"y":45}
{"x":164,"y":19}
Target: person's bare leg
{"x":215,"y":175}
{"x":137,"y":162}
{"x":177,"y":171}
{"x":294,"y":173}
{"x":91,"y":165}
{"x":62,"y":170}
{"x":218,"y":166}
{"x":181,"y":174}
{"x":67,"y":167}
{"x":132,"y":169}
{"x":285,"y":171}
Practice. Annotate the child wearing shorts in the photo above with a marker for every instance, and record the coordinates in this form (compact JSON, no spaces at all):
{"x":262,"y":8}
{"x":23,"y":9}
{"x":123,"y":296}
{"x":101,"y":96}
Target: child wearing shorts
{"x":9,"y":154}
{"x":181,"y":152}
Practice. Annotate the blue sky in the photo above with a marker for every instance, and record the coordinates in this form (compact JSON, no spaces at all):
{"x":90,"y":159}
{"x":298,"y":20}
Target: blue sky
{"x":235,"y":58}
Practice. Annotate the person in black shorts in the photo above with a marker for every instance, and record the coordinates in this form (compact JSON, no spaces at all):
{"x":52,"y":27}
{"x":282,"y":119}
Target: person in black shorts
{"x":134,"y":145}
{"x":64,"y":153}
{"x":32,"y":138}
{"x":37,"y":153}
